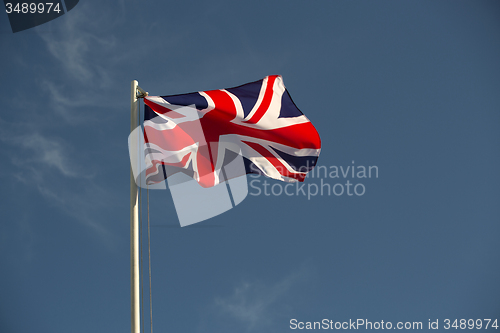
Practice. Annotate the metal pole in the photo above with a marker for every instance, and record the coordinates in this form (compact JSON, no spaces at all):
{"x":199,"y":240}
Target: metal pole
{"x":134,"y":225}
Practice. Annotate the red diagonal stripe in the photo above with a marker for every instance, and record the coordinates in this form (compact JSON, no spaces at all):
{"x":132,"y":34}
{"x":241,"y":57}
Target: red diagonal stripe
{"x":266,"y":101}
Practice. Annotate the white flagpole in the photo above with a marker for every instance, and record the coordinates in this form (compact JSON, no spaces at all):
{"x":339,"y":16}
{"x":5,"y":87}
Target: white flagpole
{"x":134,"y":225}
{"x":136,"y":93}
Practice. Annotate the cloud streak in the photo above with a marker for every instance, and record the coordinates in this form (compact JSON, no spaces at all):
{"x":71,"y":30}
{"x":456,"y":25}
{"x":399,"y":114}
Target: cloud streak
{"x":48,"y":164}
{"x":75,"y":45}
{"x":254,"y":305}
{"x":80,"y":205}
{"x":83,"y":64}
{"x":48,"y":152}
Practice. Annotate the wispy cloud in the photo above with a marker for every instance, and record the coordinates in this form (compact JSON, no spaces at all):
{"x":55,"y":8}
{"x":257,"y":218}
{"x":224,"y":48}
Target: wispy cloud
{"x":255,"y":304}
{"x":83,"y":67}
{"x":80,"y":205}
{"x":40,"y":150}
{"x":77,"y":43}
{"x":73,"y":105}
{"x":48,"y":164}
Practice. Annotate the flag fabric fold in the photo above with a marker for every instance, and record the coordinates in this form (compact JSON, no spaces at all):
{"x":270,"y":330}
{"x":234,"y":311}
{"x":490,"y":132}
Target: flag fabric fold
{"x":199,"y":133}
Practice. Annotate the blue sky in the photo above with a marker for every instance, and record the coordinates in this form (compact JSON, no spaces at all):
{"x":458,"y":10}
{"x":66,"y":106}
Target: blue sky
{"x":410,"y":87}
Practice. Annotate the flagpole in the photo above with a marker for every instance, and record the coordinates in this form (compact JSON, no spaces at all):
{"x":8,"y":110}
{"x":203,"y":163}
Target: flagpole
{"x":134,"y":224}
{"x":135,"y":94}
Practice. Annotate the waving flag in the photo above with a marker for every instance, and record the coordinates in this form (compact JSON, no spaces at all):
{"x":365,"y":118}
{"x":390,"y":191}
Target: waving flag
{"x":198,"y":133}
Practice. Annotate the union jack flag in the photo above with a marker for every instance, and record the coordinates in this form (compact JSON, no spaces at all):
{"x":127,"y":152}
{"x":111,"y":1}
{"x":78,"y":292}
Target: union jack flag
{"x":198,"y":133}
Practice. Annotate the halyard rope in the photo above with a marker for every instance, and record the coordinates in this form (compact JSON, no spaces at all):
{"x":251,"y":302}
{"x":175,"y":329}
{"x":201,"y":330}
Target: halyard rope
{"x":140,"y":229}
{"x":149,"y":247}
{"x":149,"y":254}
